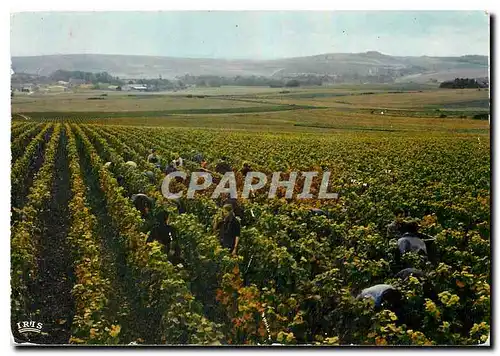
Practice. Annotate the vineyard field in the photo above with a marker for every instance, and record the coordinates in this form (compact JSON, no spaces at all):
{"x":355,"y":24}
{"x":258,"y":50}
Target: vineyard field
{"x":80,"y":263}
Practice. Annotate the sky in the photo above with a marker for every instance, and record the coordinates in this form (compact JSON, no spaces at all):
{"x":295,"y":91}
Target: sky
{"x":250,"y":35}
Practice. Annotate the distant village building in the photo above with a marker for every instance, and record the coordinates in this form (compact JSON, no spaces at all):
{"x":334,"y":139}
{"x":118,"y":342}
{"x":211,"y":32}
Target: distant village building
{"x":28,"y":88}
{"x":74,"y":82}
{"x":56,"y":88}
{"x":139,"y":87}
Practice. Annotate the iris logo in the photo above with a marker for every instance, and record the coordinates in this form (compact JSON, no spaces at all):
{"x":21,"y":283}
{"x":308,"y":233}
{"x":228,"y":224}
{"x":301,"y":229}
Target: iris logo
{"x":29,"y":327}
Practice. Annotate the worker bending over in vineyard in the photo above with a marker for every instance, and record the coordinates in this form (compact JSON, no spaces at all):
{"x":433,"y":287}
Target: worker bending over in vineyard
{"x":245,"y":169}
{"x":177,"y":162}
{"x":428,"y":288}
{"x":385,"y":296}
{"x":151,"y":177}
{"x":223,"y":166}
{"x":143,"y":203}
{"x":121,"y":180}
{"x":198,"y":158}
{"x":131,"y":164}
{"x":153,"y":157}
{"x":404,"y":274}
{"x":411,"y":240}
{"x":228,"y":227}
{"x":170,"y":168}
{"x":163,"y":233}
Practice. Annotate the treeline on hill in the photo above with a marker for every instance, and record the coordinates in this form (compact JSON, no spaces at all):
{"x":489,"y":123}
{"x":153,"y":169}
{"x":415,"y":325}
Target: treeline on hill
{"x":260,"y":81}
{"x":88,"y":77}
{"x":285,"y":81}
{"x":160,"y":83}
{"x":464,"y":83}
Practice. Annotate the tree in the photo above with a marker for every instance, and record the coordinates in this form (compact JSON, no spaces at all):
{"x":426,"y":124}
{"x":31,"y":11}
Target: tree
{"x":461,"y":83}
{"x":292,"y":83}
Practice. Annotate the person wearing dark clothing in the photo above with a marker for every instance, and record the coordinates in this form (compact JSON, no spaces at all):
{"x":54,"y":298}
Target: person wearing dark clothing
{"x":223,"y":166}
{"x":181,"y":208}
{"x":150,"y":175}
{"x":237,"y":208}
{"x":428,"y":289}
{"x":399,"y":228}
{"x":228,"y":227}
{"x":170,"y":168}
{"x":121,"y":180}
{"x":384,"y":295}
{"x":198,"y":158}
{"x":153,"y":157}
{"x":143,"y":203}
{"x":245,"y":169}
{"x":161,"y":231}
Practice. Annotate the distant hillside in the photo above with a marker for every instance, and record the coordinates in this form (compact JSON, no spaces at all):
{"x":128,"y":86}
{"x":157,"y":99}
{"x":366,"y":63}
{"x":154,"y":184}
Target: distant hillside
{"x":418,"y":69}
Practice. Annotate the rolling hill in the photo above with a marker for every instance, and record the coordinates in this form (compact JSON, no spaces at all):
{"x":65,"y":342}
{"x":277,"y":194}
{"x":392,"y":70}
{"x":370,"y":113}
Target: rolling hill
{"x":359,"y":64}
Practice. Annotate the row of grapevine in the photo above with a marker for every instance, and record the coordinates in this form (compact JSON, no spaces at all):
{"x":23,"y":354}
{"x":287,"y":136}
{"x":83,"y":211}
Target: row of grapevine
{"x":91,"y":324}
{"x":163,"y":288}
{"x":19,"y":129}
{"x":24,"y":167}
{"x":24,"y":234}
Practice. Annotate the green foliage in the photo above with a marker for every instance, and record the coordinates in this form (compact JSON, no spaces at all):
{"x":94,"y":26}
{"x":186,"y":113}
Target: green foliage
{"x":296,"y":276}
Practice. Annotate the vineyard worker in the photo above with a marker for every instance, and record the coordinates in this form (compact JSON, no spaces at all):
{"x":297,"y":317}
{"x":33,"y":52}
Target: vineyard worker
{"x":120,"y":180}
{"x":151,"y":176}
{"x":228,"y":227}
{"x":411,"y":240}
{"x":237,"y":208}
{"x":178,"y":162}
{"x":245,"y":169}
{"x":203,"y":165}
{"x":170,"y":168}
{"x":179,"y":204}
{"x":407,"y":272}
{"x":198,"y":158}
{"x":143,"y":203}
{"x":398,"y":228}
{"x":410,"y":243}
{"x":162,"y":231}
{"x":131,"y":164}
{"x":384,"y":295}
{"x":428,"y":288}
{"x":222,"y":167}
{"x":153,"y":157}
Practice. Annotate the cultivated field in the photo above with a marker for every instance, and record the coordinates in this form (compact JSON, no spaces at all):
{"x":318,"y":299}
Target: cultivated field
{"x":81,"y":265}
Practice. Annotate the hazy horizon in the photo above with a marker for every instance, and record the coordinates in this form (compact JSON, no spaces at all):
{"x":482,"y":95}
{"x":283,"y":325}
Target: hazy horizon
{"x":234,"y":59}
{"x":252,"y":35}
